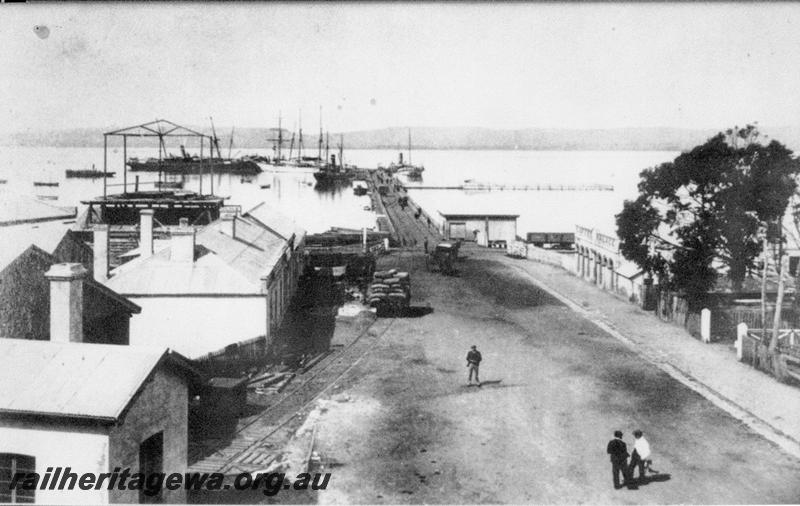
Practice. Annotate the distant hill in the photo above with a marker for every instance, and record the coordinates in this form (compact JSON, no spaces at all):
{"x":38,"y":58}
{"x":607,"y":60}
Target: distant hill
{"x":652,"y":139}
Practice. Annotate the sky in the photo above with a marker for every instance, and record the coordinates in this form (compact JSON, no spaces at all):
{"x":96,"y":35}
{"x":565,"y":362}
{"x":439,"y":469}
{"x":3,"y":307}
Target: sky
{"x":513,"y":65}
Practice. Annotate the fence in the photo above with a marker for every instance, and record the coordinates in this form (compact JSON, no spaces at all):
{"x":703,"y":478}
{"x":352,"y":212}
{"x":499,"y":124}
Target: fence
{"x":751,"y":343}
{"x":725,"y":319}
{"x":234,"y":359}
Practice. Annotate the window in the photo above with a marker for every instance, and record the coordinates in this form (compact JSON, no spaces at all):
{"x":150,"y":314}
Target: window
{"x":793,"y":262}
{"x":11,"y":464}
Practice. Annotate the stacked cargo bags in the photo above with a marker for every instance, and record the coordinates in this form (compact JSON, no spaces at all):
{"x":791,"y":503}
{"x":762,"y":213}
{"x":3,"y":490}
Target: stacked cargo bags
{"x":389,"y":292}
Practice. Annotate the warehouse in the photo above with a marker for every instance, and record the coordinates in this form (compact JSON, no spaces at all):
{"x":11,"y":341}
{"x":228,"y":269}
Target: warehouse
{"x":485,"y":229}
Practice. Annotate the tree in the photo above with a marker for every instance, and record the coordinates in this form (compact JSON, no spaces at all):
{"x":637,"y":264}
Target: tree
{"x":706,"y":210}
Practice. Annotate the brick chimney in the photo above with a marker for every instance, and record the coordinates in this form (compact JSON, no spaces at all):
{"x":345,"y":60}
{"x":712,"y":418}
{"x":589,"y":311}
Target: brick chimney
{"x":182,"y":243}
{"x":66,"y":302}
{"x":100,"y":263}
{"x":146,"y":232}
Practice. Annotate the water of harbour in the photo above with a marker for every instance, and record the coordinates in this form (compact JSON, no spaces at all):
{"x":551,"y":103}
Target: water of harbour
{"x":292,"y":191}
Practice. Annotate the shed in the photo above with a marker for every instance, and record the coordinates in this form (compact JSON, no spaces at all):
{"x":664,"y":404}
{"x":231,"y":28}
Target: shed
{"x":486,"y":229}
{"x":93,"y":408}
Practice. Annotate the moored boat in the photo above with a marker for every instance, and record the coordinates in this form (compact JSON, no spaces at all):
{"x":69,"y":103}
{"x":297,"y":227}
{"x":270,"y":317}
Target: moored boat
{"x":412,"y":172}
{"x":194,"y":165}
{"x":88,"y":173}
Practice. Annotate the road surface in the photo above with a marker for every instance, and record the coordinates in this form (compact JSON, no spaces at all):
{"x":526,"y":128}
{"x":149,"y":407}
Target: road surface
{"x":403,"y":427}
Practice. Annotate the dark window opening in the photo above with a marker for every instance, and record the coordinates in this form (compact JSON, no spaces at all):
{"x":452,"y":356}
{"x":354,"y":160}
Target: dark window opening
{"x":151,"y":460}
{"x":10,"y":465}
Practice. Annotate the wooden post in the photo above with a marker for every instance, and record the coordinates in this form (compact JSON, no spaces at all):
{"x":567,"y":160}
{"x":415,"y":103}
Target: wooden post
{"x":705,"y":325}
{"x":201,"y":169}
{"x":764,"y":292}
{"x":773,"y":344}
{"x":124,"y":164}
{"x":105,"y":164}
{"x":136,"y":185}
{"x":210,"y":168}
{"x":741,"y":333}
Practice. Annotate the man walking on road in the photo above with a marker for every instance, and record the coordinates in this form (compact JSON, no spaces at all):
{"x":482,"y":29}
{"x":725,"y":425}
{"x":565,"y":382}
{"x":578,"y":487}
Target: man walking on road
{"x":618,"y":451}
{"x":473,"y":362}
{"x":641,"y":453}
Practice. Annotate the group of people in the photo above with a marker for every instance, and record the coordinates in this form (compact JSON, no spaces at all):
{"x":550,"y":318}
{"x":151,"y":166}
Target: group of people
{"x":618,"y":452}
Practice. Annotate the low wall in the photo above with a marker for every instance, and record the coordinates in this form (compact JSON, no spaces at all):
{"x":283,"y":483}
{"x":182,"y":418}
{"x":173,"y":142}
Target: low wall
{"x":564,"y":260}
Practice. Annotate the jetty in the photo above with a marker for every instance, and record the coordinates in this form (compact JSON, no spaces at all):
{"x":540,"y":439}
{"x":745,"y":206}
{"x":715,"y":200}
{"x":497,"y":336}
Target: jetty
{"x":407,"y":223}
{"x":515,"y":187}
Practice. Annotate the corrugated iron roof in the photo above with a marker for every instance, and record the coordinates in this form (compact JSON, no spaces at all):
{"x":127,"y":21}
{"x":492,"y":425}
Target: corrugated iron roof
{"x":629,"y":270}
{"x":158,"y":275}
{"x":232,"y":263}
{"x":276,"y":221}
{"x":16,"y":208}
{"x":72,"y":379}
{"x":253,"y":251}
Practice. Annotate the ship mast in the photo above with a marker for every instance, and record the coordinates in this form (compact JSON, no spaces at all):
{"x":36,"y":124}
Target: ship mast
{"x":215,"y":140}
{"x":319,"y":147}
{"x":277,"y":148}
{"x":341,"y":150}
{"x":409,"y":145}
{"x":300,"y":136}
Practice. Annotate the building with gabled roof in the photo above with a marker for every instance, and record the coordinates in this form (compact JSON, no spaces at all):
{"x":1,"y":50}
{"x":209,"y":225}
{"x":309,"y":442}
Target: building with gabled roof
{"x":228,"y":282}
{"x":26,"y":305}
{"x":92,"y":408}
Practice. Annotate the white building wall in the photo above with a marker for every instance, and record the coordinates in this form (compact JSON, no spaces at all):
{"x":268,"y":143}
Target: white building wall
{"x":493,"y":230}
{"x":60,"y":446}
{"x":196,"y":326}
{"x":503,"y":230}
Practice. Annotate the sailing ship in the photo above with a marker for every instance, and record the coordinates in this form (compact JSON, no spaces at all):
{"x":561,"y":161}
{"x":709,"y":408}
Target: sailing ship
{"x":411,"y":171}
{"x":297,"y":151}
{"x":333,"y":172}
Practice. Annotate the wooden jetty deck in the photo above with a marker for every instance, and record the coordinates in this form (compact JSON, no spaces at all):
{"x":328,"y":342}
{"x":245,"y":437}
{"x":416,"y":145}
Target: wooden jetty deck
{"x":515,"y":187}
{"x":409,"y":226}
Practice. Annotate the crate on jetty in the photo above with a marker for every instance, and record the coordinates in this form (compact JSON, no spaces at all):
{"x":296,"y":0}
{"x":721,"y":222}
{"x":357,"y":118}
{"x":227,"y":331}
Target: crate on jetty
{"x":344,"y":236}
{"x":345,"y":247}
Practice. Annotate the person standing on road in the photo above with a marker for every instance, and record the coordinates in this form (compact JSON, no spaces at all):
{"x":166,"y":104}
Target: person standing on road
{"x":640,"y":456}
{"x":473,"y":362}
{"x":618,"y":452}
{"x":425,"y":244}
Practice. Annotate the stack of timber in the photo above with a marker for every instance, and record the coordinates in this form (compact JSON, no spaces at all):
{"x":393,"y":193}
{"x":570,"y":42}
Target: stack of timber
{"x":338,"y":236}
{"x":271,"y":382}
{"x":390,"y":292}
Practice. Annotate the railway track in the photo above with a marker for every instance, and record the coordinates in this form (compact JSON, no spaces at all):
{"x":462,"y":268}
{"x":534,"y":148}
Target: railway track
{"x":255,"y":444}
